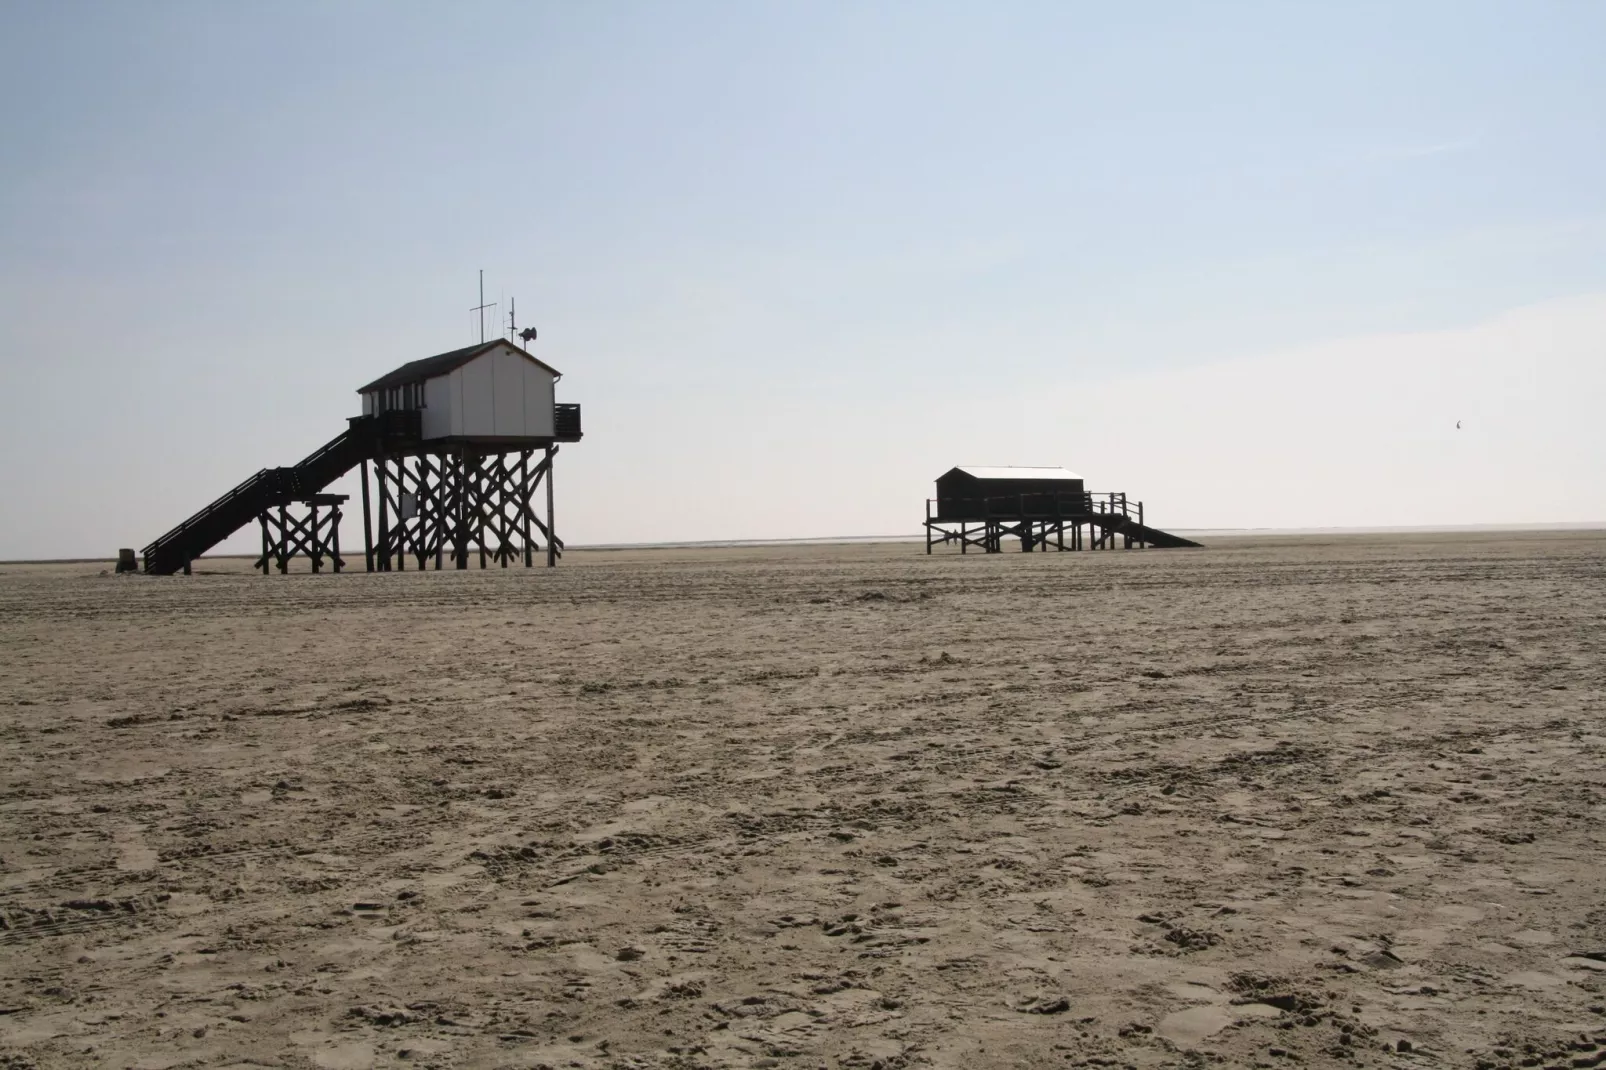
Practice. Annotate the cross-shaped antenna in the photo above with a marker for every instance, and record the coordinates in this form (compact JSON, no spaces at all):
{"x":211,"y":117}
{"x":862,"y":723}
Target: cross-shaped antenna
{"x":482,"y":306}
{"x":527,"y":335}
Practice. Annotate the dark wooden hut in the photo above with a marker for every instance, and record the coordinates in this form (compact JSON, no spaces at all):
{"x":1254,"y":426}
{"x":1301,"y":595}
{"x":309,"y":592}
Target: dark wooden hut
{"x":970,"y":492}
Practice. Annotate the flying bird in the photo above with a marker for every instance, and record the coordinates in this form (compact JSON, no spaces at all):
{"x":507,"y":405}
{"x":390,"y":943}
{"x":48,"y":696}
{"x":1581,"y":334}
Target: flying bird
{"x":1458,"y":425}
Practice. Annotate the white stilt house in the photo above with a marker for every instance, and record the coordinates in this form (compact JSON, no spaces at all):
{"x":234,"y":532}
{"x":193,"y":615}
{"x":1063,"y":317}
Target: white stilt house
{"x":493,"y":392}
{"x":459,"y":444}
{"x":479,"y":431}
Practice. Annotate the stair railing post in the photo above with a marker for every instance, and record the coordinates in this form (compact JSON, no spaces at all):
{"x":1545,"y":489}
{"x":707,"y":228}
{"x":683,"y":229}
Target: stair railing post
{"x":334,"y":534}
{"x":284,"y":538}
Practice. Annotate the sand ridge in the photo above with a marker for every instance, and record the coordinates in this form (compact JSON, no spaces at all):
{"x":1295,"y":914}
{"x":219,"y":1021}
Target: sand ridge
{"x":1329,"y":801}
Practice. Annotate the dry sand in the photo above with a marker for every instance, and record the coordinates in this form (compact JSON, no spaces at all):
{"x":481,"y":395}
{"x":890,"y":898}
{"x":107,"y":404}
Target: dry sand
{"x":1273,"y":802}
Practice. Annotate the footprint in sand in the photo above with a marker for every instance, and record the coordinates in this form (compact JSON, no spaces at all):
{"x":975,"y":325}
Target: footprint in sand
{"x":334,"y":1056}
{"x":1531,"y":938}
{"x":1191,"y":1027}
{"x":1534,"y":979}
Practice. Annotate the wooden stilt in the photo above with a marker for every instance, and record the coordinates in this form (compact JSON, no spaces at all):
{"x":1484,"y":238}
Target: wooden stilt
{"x":381,"y":471}
{"x":477,"y":503}
{"x":367,"y":524}
{"x":460,"y":541}
{"x":526,"y":509}
{"x":551,"y":528}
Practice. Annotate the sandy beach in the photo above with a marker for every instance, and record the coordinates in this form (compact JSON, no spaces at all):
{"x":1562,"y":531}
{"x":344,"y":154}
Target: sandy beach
{"x":1325,"y":801}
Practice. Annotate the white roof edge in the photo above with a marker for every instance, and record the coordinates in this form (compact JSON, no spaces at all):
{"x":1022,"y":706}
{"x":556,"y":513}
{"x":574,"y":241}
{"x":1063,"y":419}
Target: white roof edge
{"x":1016,"y":472}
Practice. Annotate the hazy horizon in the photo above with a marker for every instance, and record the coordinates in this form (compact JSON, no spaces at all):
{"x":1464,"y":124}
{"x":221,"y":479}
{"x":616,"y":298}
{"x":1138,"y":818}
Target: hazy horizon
{"x":1250,"y":265}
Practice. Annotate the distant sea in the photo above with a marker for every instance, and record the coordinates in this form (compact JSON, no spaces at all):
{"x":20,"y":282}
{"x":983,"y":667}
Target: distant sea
{"x":1215,"y":533}
{"x":836,"y":540}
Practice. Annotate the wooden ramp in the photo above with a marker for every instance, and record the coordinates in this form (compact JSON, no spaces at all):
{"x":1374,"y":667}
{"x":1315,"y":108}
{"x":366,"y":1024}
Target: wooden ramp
{"x":1114,"y":524}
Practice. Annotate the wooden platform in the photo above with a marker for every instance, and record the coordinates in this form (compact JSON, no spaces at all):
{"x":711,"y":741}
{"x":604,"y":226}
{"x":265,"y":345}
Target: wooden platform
{"x":1045,"y":522}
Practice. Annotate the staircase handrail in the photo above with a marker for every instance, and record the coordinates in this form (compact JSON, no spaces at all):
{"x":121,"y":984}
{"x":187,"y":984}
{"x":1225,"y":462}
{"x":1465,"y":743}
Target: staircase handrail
{"x":207,"y":510}
{"x":294,"y":476}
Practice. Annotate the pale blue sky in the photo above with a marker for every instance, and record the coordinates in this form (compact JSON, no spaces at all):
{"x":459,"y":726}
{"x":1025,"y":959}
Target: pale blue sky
{"x":773,"y":244}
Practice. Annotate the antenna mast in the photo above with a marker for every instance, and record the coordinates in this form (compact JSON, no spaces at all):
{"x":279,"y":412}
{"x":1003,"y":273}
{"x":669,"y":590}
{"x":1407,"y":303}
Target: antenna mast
{"x":482,"y":306}
{"x":526,"y":336}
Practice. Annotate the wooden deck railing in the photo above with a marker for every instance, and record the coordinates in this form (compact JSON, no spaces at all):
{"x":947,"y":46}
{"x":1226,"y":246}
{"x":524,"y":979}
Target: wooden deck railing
{"x":1036,"y":506}
{"x":566,"y":421}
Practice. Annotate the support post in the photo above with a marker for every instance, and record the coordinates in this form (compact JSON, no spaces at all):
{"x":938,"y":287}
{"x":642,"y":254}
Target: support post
{"x":524,"y":506}
{"x":482,"y":498}
{"x":264,"y":519}
{"x":442,"y":500}
{"x":284,"y":535}
{"x":460,"y":544}
{"x":382,"y":472}
{"x":401,"y":520}
{"x":367,"y":524}
{"x":551,"y":529}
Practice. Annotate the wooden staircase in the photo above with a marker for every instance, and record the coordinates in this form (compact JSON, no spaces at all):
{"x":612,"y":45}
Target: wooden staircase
{"x":1115,"y":524}
{"x":268,"y":488}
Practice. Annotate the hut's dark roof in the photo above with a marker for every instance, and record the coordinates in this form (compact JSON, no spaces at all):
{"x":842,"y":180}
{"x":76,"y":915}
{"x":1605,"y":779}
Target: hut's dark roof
{"x":984,"y":472}
{"x":442,"y":363}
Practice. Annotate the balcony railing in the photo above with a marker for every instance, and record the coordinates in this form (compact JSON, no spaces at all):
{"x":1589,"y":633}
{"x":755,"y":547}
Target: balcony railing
{"x":1039,"y":506}
{"x":566,"y":421}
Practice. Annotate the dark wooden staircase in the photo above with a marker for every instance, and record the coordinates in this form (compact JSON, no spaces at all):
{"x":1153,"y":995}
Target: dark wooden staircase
{"x":269,"y":488}
{"x":1114,"y":524}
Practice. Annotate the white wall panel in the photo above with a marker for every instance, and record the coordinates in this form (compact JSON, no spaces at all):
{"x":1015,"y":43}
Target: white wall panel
{"x":508,"y":377}
{"x":437,"y":416}
{"x":538,"y":384}
{"x":457,"y":401}
{"x":479,"y":393}
{"x":501,"y":394}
